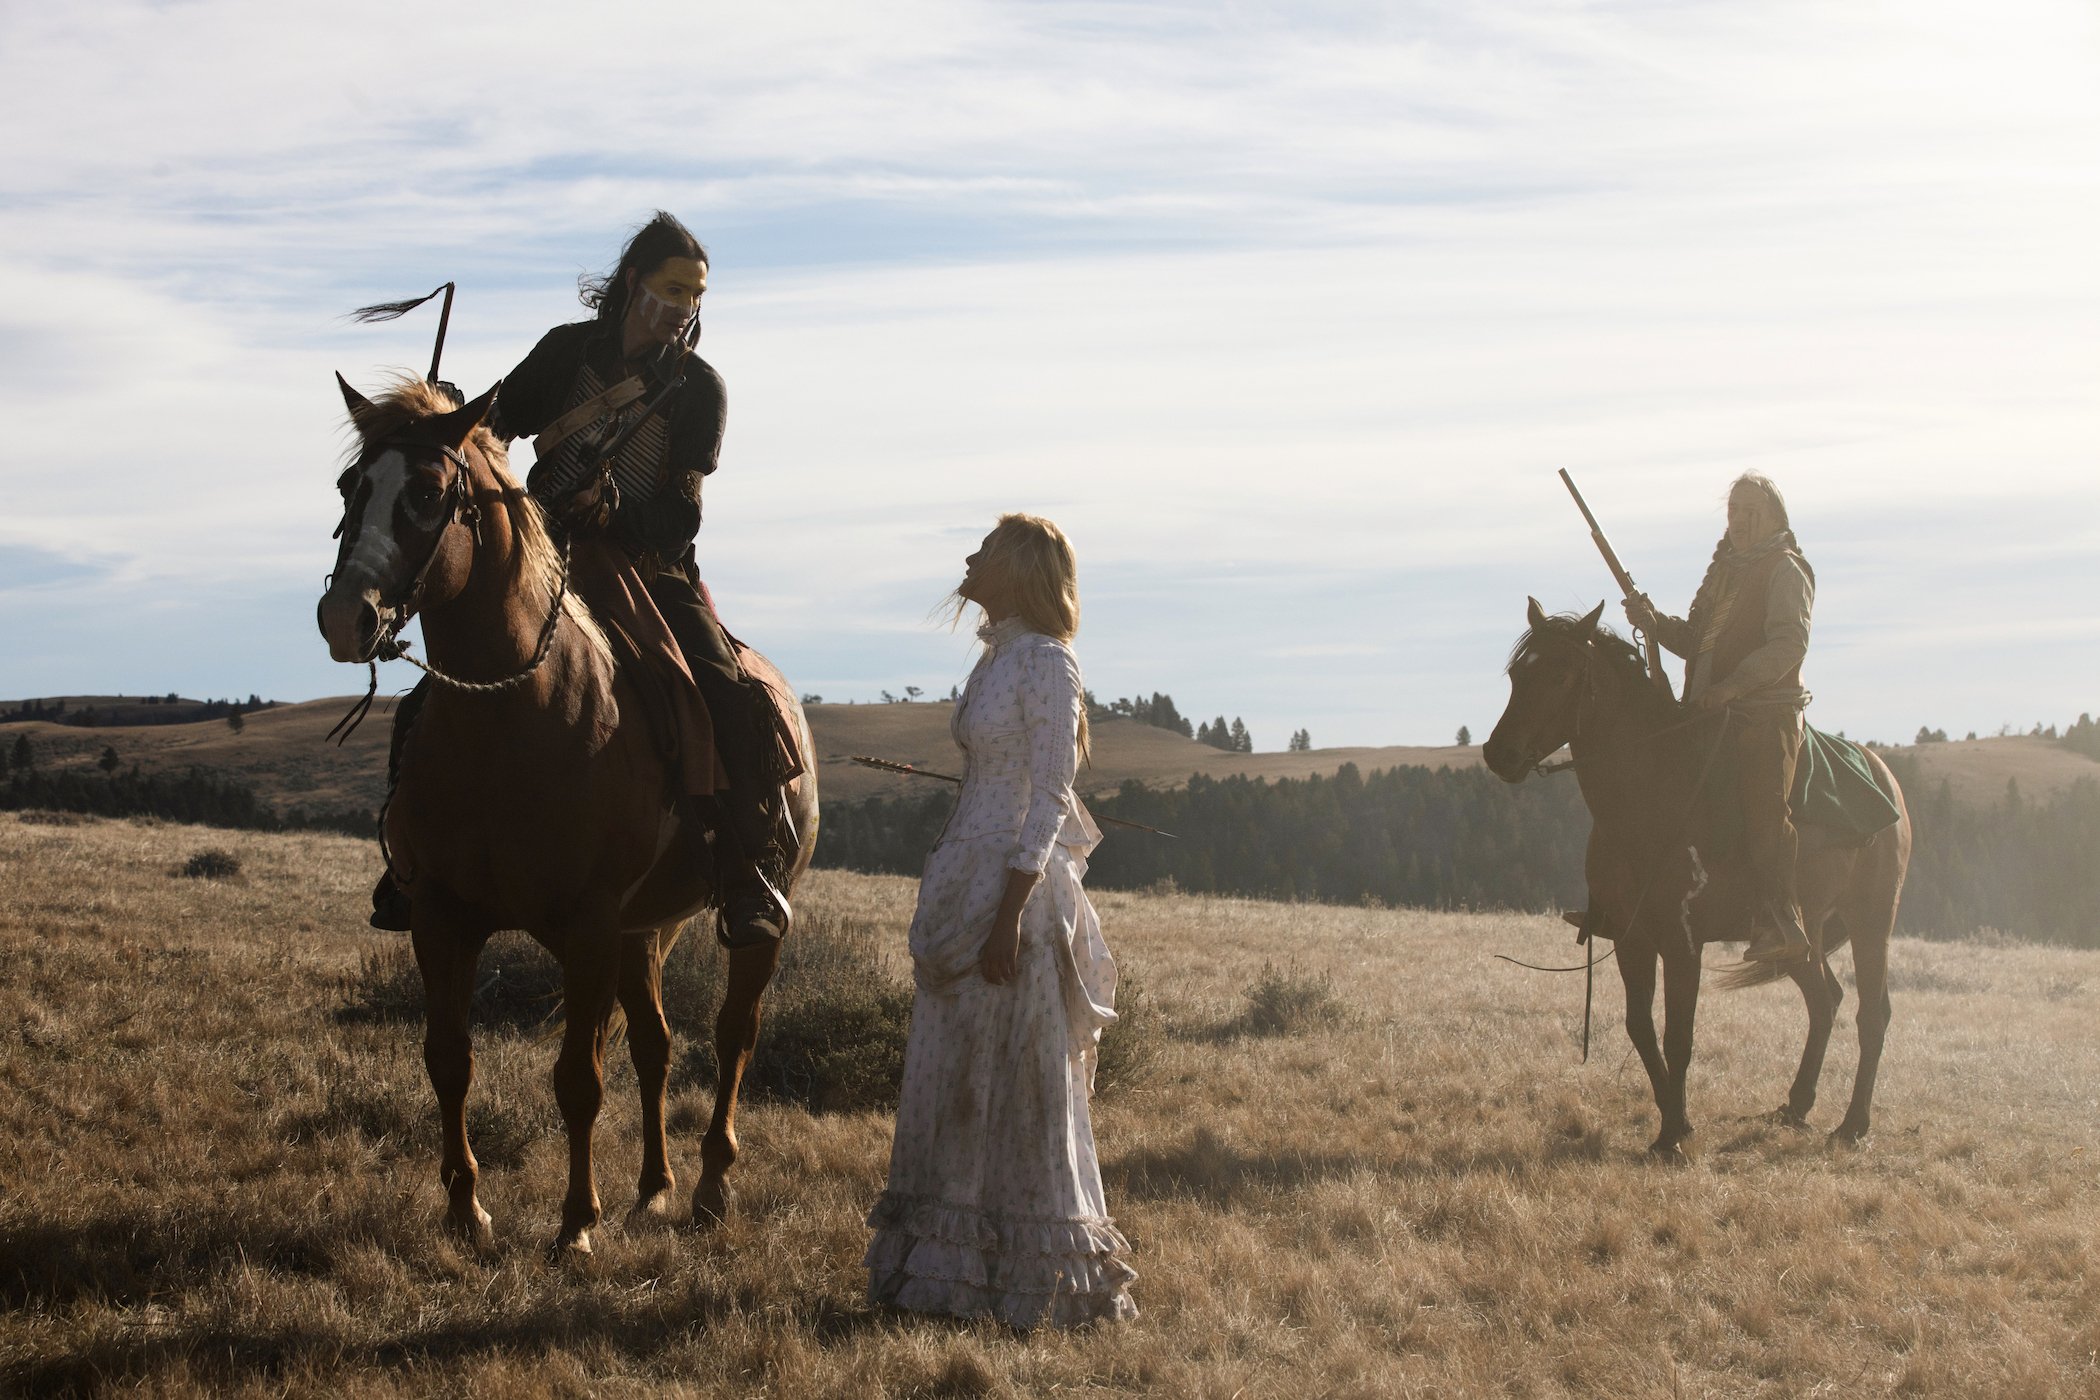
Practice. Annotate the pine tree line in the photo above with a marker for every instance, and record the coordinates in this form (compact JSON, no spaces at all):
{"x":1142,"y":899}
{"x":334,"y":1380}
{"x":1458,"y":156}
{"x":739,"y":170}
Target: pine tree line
{"x":1158,"y":711}
{"x":129,"y":713}
{"x":1430,"y":837}
{"x":1460,"y":838}
{"x":2018,"y":865}
{"x":198,"y":795}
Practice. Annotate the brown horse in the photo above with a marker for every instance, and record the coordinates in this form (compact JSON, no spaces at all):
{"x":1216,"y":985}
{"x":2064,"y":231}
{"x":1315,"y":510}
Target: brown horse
{"x":1642,"y":760}
{"x":532,"y":795}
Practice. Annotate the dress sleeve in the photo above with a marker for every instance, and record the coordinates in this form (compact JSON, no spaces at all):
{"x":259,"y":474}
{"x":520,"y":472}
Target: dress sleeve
{"x":1051,"y":704}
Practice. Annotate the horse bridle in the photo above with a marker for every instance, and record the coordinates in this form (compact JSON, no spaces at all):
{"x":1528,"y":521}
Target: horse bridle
{"x":459,"y":509}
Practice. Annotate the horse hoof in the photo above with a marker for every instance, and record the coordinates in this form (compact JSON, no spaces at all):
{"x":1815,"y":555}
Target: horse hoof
{"x":476,"y":1231}
{"x":1669,"y":1152}
{"x":570,"y":1249}
{"x":711,"y":1203}
{"x":652,"y":1209}
{"x":1848,"y":1135}
{"x":1785,"y":1117}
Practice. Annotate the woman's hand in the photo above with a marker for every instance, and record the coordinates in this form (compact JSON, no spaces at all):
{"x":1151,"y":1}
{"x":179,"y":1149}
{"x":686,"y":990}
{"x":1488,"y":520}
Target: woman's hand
{"x":1002,"y":946}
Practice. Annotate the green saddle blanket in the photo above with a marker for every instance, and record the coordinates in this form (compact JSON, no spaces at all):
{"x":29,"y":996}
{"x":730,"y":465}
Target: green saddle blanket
{"x":1834,"y":791}
{"x":1834,"y":787}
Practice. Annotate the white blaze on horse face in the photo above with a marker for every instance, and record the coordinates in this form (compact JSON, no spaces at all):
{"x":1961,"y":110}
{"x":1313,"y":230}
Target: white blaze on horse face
{"x":377,"y":555}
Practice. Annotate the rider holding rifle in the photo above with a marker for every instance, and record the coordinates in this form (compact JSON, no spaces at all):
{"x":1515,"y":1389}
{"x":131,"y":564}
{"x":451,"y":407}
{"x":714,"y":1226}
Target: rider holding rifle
{"x":1743,"y":643}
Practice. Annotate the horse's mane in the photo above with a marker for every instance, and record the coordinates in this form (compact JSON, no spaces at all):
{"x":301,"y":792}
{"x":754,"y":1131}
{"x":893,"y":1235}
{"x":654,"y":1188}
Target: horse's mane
{"x":1618,"y":653}
{"x":408,"y":400}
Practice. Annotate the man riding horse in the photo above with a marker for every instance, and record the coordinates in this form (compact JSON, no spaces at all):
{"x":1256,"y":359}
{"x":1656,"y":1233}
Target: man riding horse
{"x":1743,"y":645}
{"x":627,"y":421}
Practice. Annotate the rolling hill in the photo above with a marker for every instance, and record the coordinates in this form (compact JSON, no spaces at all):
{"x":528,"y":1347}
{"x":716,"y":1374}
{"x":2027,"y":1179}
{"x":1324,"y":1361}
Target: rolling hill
{"x":282,"y":753}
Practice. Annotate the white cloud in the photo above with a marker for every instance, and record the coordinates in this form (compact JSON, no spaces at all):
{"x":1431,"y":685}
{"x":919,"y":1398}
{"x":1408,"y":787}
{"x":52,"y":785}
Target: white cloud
{"x":1287,"y":315}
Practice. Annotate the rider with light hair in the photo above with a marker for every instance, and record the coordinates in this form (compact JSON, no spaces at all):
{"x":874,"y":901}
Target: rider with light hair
{"x":1743,"y":643}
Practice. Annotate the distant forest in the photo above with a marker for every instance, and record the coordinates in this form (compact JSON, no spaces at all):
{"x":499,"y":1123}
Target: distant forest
{"x":200,"y":795}
{"x":127,"y":711}
{"x":1430,"y":837}
{"x":1421,"y":837}
{"x":1461,"y":839}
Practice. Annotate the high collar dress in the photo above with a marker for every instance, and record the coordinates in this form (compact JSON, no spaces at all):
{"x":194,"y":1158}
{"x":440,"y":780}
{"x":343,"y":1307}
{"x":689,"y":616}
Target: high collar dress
{"x":994,"y":1206}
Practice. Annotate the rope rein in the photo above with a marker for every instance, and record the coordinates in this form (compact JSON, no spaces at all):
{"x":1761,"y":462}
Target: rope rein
{"x":539,"y":652}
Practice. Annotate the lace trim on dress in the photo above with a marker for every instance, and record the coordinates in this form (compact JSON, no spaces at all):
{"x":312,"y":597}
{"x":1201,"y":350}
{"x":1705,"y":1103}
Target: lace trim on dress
{"x":997,"y":634}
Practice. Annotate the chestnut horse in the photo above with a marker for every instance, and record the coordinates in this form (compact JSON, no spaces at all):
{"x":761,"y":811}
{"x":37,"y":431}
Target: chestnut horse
{"x":532,"y":795}
{"x":1643,"y":760}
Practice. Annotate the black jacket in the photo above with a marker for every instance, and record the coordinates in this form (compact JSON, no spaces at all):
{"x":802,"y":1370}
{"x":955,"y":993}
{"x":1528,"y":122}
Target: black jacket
{"x":546,"y":384}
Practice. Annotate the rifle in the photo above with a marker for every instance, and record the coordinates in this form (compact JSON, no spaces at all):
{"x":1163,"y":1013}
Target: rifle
{"x":1624,"y":579}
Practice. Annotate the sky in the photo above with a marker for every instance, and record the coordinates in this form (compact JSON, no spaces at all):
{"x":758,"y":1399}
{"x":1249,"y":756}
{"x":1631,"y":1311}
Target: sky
{"x":1288,"y":314}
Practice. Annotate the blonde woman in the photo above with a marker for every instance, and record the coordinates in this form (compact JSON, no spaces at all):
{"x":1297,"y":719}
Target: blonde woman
{"x":994,"y":1206}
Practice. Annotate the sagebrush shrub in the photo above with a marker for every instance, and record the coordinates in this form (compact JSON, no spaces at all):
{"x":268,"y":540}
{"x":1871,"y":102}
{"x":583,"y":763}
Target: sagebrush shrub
{"x":517,"y":986}
{"x":211,"y":865}
{"x":1286,"y":1001}
{"x":1133,"y":1043}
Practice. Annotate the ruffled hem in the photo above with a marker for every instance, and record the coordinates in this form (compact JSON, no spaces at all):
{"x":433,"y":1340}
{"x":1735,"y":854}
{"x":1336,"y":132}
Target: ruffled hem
{"x":930,"y":1217}
{"x":939,"y":1257}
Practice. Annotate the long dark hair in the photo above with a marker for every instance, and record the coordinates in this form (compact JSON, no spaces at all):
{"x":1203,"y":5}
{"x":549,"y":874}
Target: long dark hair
{"x":662,"y":237}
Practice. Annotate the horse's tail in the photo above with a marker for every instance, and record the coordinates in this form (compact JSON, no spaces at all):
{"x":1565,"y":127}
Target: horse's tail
{"x":1757,"y":974}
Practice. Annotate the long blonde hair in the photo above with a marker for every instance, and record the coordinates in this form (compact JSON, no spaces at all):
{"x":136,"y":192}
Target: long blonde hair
{"x":1035,"y":560}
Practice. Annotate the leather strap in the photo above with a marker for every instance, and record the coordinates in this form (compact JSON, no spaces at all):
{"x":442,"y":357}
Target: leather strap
{"x":586,"y":413}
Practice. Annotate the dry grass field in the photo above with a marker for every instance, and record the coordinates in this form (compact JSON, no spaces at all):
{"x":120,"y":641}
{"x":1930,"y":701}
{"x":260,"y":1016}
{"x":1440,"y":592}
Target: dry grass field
{"x":214,"y":1181}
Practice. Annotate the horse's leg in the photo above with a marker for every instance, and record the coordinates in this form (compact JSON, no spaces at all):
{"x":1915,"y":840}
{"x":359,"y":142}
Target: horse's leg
{"x":649,"y":1043}
{"x":736,"y":1035}
{"x":1637,"y":973}
{"x":1821,"y":994}
{"x":590,"y":966}
{"x":1870,"y":968}
{"x":446,"y":958}
{"x":1680,"y":1010}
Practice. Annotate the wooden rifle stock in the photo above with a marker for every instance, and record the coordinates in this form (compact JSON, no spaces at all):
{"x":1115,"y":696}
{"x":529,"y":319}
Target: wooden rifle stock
{"x":1624,"y":580}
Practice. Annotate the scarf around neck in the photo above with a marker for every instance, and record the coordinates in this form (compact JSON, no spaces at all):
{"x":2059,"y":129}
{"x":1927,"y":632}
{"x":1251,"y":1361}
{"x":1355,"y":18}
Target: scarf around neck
{"x":1714,"y":603}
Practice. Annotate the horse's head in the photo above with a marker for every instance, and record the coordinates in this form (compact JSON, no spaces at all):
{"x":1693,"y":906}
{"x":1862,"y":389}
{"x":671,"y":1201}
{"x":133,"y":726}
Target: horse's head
{"x":409,"y":514}
{"x":1547,"y":674}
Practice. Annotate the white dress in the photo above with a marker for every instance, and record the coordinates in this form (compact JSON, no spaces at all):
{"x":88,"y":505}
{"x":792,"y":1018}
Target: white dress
{"x":994,"y":1206}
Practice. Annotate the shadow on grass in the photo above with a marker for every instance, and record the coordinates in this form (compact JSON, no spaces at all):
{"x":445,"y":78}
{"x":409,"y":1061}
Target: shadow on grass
{"x":214,"y":1356}
{"x":1213,"y":1171}
{"x":125,"y":1263}
{"x":1221,"y":1175}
